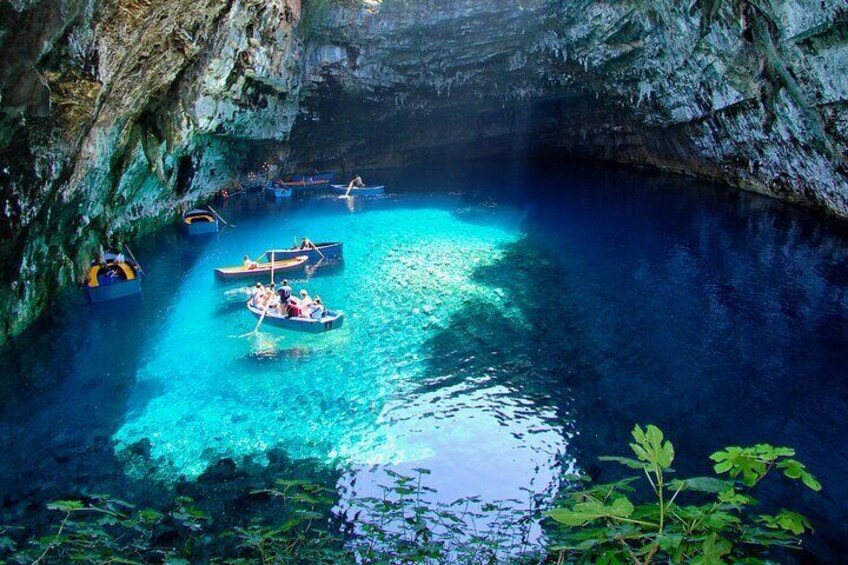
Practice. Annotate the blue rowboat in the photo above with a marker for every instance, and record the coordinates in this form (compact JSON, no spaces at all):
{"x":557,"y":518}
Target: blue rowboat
{"x":361,"y":191}
{"x":307,"y":184}
{"x":330,"y":321}
{"x":332,"y":251}
{"x":278,"y":191}
{"x":326,"y":177}
{"x":262,"y":270}
{"x":112,"y":279}
{"x":198,"y":222}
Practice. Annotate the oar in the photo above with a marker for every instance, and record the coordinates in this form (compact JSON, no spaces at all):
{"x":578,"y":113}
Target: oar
{"x":261,"y":318}
{"x":140,"y":270}
{"x":226,"y":223}
{"x":315,"y":247}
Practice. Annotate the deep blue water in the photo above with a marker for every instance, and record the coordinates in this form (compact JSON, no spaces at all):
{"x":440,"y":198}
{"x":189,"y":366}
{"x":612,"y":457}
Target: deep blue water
{"x":505,"y":324}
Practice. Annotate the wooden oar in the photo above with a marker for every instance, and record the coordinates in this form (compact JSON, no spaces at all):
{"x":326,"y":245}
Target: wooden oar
{"x":261,"y":318}
{"x":137,"y":264}
{"x":226,"y":223}
{"x":315,"y":247}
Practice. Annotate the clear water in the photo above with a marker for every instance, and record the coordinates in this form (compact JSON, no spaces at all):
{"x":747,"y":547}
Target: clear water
{"x":502,"y":327}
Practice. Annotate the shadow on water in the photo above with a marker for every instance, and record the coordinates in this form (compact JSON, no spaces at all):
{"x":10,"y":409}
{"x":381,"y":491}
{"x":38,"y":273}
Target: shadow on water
{"x":721,"y":317}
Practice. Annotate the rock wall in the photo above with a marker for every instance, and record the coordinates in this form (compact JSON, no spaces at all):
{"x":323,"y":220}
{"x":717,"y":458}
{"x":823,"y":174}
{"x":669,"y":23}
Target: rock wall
{"x":751,"y":93}
{"x":117,"y":115}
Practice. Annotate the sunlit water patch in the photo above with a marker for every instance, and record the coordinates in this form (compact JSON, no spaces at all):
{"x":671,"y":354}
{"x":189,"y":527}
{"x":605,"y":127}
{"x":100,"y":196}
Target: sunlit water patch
{"x":209,"y":388}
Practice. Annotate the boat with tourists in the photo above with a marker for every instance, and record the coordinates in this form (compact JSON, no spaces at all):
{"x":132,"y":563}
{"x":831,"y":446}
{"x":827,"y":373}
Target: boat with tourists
{"x":255,"y":270}
{"x":329,"y":251}
{"x":199,"y":222}
{"x":358,"y":190}
{"x":114,"y":276}
{"x":330,"y":320}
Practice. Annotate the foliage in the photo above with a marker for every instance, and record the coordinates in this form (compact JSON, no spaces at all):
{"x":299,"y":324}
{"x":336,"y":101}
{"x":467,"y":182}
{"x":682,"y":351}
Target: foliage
{"x":702,"y":520}
{"x":607,"y":524}
{"x":400,"y":526}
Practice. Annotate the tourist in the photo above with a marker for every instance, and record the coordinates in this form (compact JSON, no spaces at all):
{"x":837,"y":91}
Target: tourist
{"x":285,"y":291}
{"x":249,"y":264}
{"x":305,"y":301}
{"x":293,"y":309}
{"x":316,"y":311}
{"x":119,"y":258}
{"x":256,"y":294}
{"x":356,"y":182}
{"x":273,"y":301}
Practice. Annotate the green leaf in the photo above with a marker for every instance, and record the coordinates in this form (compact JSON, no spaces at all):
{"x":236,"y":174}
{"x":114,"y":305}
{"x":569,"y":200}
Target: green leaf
{"x":788,"y":521}
{"x":794,"y":469}
{"x":651,"y":448}
{"x":586,"y":512}
{"x":700,"y":484}
{"x":739,"y":461}
{"x":730,"y":496}
{"x":626,"y":461}
{"x":669,"y":541}
{"x":66,"y":505}
{"x":712,"y":551}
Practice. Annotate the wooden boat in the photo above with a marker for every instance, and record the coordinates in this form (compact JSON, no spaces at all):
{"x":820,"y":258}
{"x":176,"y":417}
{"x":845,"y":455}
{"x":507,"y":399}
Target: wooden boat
{"x":328,"y":177}
{"x":330,"y":321}
{"x":197,"y":222}
{"x":332,"y":251}
{"x":112,"y":279}
{"x":307,"y":183}
{"x":278,"y":191}
{"x":262,"y":270}
{"x":361,"y":191}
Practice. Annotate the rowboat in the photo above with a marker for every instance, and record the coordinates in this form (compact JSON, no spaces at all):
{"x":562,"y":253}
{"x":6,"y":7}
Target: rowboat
{"x":262,"y":270}
{"x":360,"y":191}
{"x":327,"y":177}
{"x":330,"y":321}
{"x":331,"y":251}
{"x":278,"y":191}
{"x":197,"y":222}
{"x":112,"y":279}
{"x":307,"y":183}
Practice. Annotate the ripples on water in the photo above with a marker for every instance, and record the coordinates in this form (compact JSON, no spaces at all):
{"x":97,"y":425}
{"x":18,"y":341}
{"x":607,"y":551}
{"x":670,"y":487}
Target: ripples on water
{"x":498,"y":341}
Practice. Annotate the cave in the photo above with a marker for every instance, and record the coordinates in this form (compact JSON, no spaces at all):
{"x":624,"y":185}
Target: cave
{"x":615,"y":213}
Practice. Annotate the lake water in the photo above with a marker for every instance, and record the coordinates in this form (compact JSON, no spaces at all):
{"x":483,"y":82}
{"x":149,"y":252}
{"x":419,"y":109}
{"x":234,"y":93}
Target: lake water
{"x":504,"y":325}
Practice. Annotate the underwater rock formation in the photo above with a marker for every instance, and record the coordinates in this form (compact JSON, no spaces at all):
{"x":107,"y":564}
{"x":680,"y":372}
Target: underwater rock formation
{"x":117,"y":115}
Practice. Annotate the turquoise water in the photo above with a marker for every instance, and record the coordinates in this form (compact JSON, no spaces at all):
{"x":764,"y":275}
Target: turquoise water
{"x":502,"y":328}
{"x":223,"y":391}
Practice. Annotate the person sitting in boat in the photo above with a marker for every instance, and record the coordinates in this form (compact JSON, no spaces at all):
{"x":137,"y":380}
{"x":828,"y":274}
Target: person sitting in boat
{"x":316,"y":311}
{"x":304,"y":243}
{"x":273,"y":301}
{"x":119,"y":258}
{"x":256,"y":294}
{"x":285,"y":291}
{"x":305,"y":301}
{"x":293,"y":309}
{"x":249,"y":264}
{"x":356,"y":183}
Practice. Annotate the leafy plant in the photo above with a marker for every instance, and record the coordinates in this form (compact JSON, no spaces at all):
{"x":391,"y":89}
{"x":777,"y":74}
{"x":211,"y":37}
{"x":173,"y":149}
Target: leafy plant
{"x":606,"y":524}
